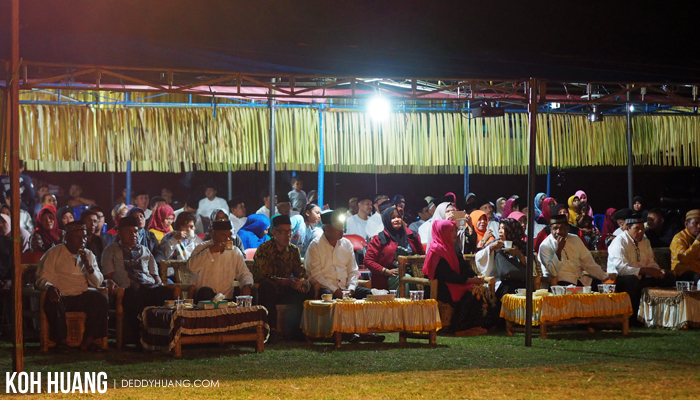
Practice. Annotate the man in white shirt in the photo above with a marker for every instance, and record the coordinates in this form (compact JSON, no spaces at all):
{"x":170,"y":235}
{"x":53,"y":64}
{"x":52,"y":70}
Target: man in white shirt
{"x":25,"y":220}
{"x":357,"y":224}
{"x":265,"y":210}
{"x":565,"y":257}
{"x":423,"y":215}
{"x":630,"y":256}
{"x":217,"y":263}
{"x":210,"y":203}
{"x":330,"y":260}
{"x":65,"y":272}
{"x":129,"y":265}
{"x":238,"y":214}
{"x":191,"y":205}
{"x":141,"y":200}
{"x":374,"y":223}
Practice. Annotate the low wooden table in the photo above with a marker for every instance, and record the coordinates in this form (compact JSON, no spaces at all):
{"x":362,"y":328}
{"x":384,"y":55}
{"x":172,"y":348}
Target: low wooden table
{"x":415,"y":319}
{"x":669,"y":308}
{"x":573,"y":309}
{"x":167,"y":329}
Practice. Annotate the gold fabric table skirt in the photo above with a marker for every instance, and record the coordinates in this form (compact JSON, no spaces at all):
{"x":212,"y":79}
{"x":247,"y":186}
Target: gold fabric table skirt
{"x":670,"y":309}
{"x":564,"y":307}
{"x":323,"y":320}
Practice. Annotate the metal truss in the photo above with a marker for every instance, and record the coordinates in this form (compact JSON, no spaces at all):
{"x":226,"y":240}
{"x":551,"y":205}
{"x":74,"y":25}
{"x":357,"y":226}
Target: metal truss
{"x":449,"y":94}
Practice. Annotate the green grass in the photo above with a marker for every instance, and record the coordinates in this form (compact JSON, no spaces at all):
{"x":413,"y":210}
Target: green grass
{"x":571,"y":363}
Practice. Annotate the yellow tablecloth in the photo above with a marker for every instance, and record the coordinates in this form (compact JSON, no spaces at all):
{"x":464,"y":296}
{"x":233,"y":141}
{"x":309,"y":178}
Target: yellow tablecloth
{"x":322,"y":320}
{"x":668,"y":308}
{"x":559,"y":308}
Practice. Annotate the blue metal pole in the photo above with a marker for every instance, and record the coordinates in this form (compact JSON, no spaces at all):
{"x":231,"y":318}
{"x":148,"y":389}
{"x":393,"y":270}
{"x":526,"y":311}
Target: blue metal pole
{"x":322,"y":158}
{"x":549,"y":180}
{"x":466,"y":181}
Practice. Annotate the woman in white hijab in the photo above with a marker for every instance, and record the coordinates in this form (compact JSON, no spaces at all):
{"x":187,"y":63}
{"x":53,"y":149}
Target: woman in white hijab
{"x":443,"y":211}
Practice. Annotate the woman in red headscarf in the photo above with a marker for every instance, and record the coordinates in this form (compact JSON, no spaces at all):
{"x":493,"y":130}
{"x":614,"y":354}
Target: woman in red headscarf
{"x":47,"y":233}
{"x":162,"y":221}
{"x":458,"y":285}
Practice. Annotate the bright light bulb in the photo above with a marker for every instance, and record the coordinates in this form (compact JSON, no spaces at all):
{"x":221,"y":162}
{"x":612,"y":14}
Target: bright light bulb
{"x":631,"y":107}
{"x":379,"y":108}
{"x":555,"y":106}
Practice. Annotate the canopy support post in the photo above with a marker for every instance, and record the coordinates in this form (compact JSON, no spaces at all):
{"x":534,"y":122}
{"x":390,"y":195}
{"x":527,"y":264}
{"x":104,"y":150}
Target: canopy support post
{"x":18,"y":340}
{"x":531,"y":173}
{"x":322,"y":158}
{"x":630,"y":158}
{"x":466,"y":181}
{"x":271,"y":162}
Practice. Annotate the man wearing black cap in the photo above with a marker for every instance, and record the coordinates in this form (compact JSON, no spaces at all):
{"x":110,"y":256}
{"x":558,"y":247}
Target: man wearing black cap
{"x":631,"y":257}
{"x":131,"y":266}
{"x":330,"y":260}
{"x":374,"y":223}
{"x":217,"y":263}
{"x":191,"y":205}
{"x":65,"y":272}
{"x":281,"y":276}
{"x":423,"y":215}
{"x":565,"y":256}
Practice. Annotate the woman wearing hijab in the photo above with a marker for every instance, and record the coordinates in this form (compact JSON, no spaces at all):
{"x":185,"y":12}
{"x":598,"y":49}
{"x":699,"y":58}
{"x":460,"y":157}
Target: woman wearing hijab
{"x":444,"y":211}
{"x":547,"y":206}
{"x":47,"y":233}
{"x":639,"y":206}
{"x":254,"y":232}
{"x":162,"y":221}
{"x":500,"y":205}
{"x":383,"y":250}
{"x":521,"y":218}
{"x":513,"y":204}
{"x":118,"y":212}
{"x":574,"y":202}
{"x":221,"y":215}
{"x":400,"y":203}
{"x":506,"y":265}
{"x":24,"y":235}
{"x":609,"y":224}
{"x":583,"y":197}
{"x":458,"y":285}
{"x":5,"y":250}
{"x":64,"y":215}
{"x":481,"y":235}
{"x":539,"y":203}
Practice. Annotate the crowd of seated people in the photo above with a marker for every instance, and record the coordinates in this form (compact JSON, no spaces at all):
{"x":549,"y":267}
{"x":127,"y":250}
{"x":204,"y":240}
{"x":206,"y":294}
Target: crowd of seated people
{"x":301,"y":252}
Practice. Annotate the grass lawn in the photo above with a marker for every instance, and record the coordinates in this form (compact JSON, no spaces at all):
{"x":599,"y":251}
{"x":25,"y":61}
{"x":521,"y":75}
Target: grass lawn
{"x":571,"y":363}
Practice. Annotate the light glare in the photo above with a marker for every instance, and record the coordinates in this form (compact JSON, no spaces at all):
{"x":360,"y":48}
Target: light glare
{"x":379,"y":108}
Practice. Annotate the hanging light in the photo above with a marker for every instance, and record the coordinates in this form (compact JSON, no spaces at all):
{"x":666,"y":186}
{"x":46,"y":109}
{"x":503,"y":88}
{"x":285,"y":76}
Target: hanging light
{"x":595,"y":115}
{"x":379,"y":108}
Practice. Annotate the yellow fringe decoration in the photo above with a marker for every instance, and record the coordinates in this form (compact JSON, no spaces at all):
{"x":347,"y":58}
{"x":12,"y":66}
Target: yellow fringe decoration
{"x":104,"y":137}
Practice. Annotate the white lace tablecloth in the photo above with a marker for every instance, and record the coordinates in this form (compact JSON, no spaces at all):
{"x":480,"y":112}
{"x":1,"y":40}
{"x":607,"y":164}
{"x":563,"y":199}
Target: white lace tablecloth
{"x":668,"y":308}
{"x":322,"y":320}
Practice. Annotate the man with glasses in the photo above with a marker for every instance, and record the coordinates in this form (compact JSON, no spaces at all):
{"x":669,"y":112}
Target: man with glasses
{"x":281,"y":276}
{"x":631,"y":257}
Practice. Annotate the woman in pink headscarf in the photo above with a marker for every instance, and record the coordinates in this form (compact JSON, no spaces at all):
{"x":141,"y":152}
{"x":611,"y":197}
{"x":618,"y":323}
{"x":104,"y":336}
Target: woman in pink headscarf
{"x":458,"y":285}
{"x":583,"y":197}
{"x":162,"y":221}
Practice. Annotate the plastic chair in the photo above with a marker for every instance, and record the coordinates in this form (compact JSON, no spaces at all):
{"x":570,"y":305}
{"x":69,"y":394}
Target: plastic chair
{"x":250,"y":253}
{"x":358,"y":242}
{"x":598,"y":220}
